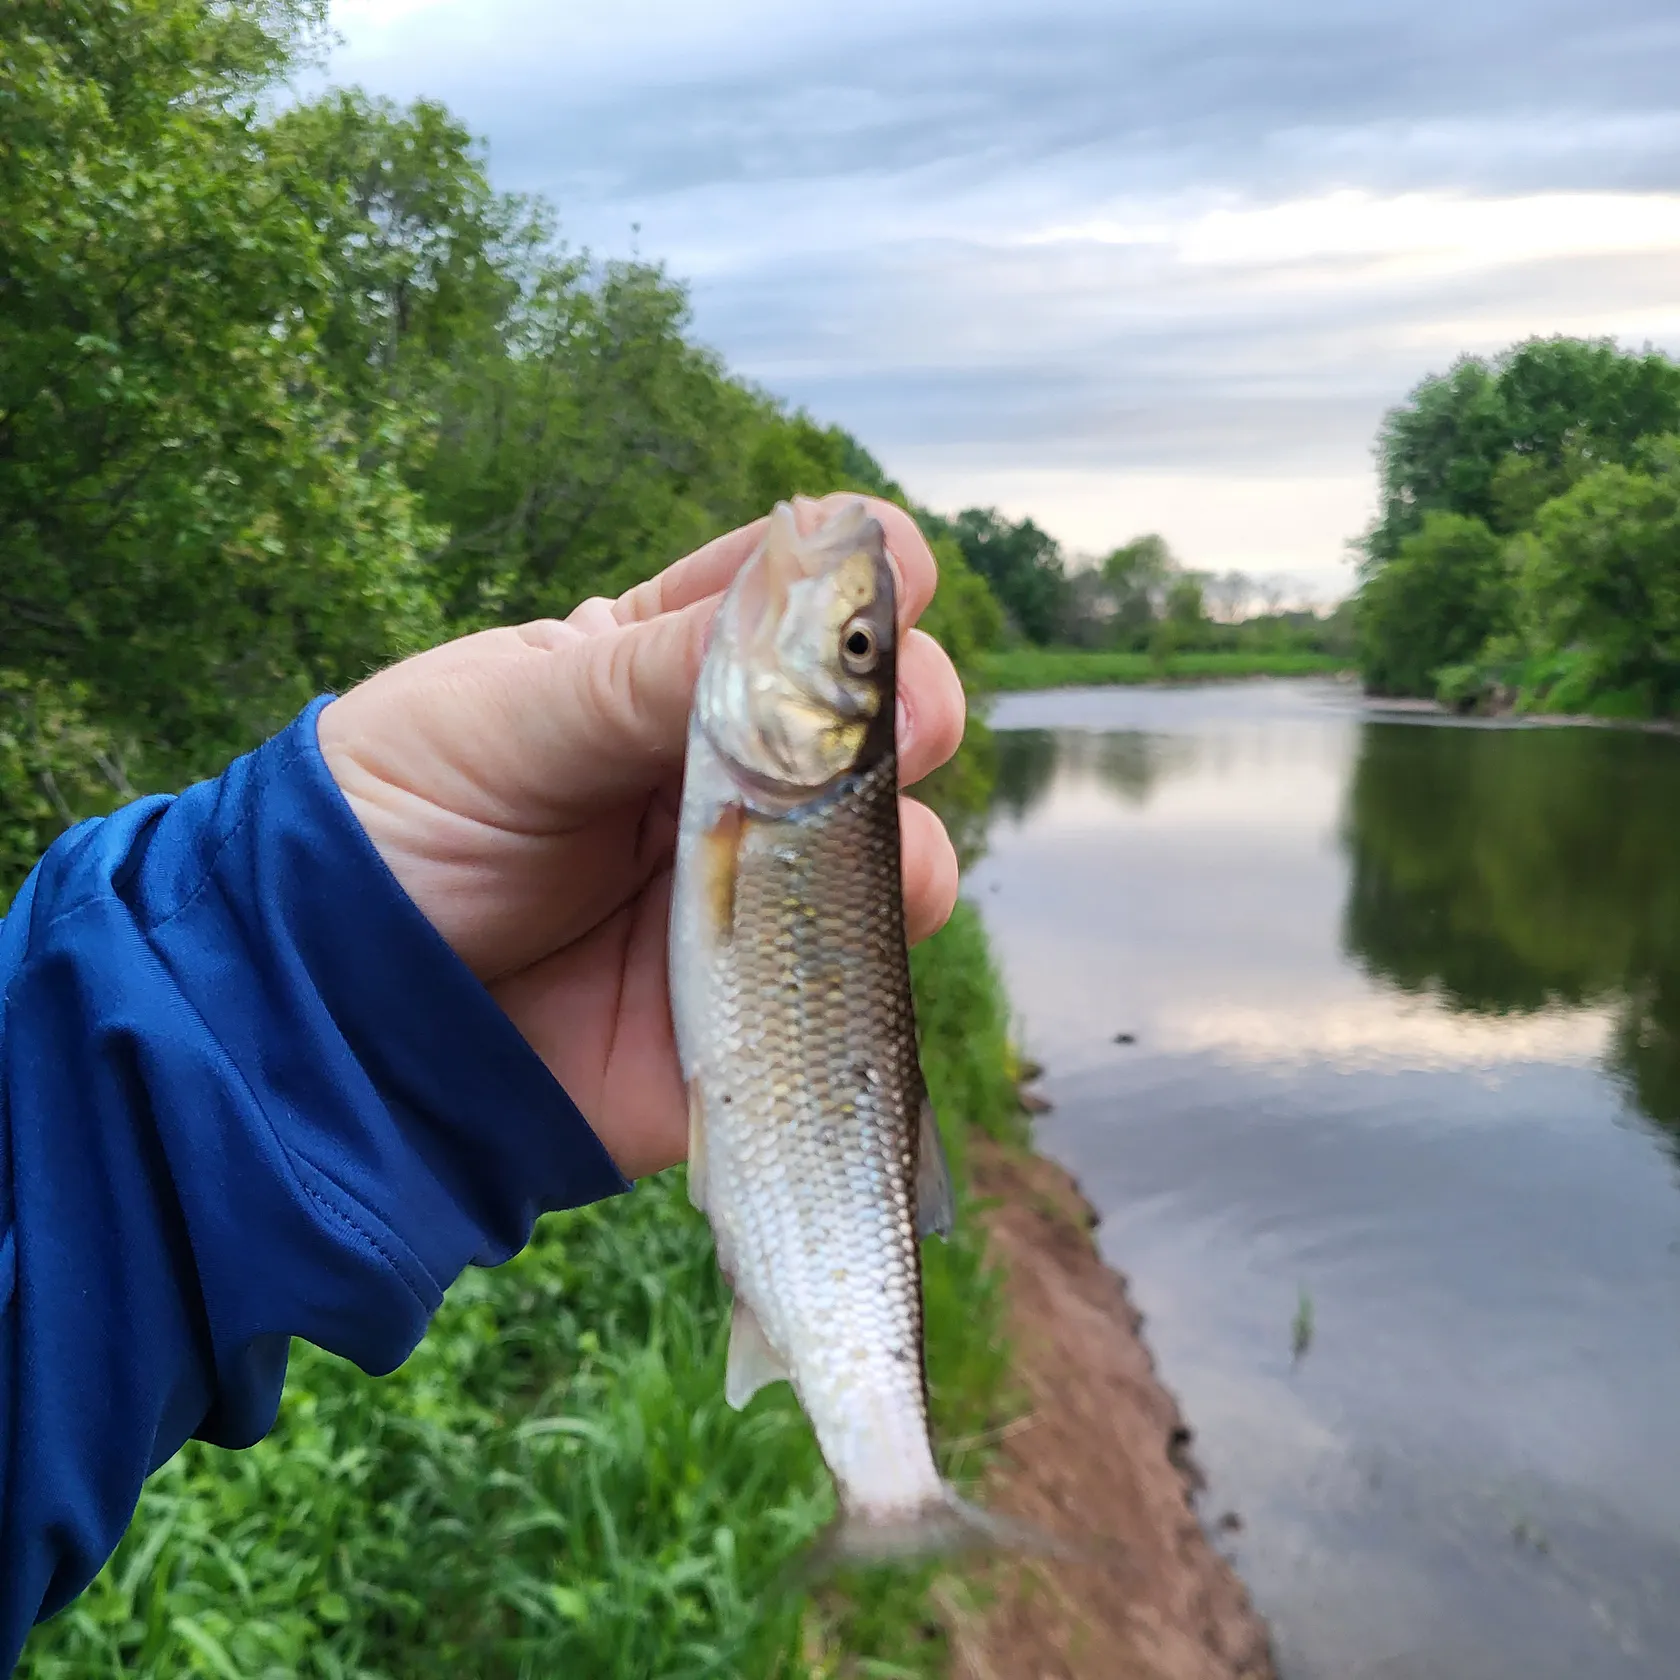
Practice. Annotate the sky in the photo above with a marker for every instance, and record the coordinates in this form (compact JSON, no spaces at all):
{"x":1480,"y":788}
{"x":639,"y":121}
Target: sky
{"x":1119,"y":265}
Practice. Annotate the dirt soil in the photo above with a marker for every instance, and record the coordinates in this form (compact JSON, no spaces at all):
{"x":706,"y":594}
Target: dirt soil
{"x":1102,"y":1453}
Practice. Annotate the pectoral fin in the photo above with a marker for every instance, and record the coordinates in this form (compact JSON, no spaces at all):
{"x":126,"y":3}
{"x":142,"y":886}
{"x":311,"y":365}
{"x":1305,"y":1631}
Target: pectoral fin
{"x":936,"y":1203}
{"x":753,"y":1363}
{"x":720,"y":860}
{"x":696,"y":1146}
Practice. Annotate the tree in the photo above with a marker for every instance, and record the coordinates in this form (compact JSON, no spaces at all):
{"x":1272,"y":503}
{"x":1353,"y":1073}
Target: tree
{"x":1023,"y":565}
{"x":284,"y":397}
{"x":427,"y":263}
{"x":1228,"y":595}
{"x":173,"y":451}
{"x":1433,"y":605}
{"x":1493,"y":439}
{"x":1600,"y":575}
{"x":1138,"y":575}
{"x":1500,"y":443}
{"x":1186,"y":602}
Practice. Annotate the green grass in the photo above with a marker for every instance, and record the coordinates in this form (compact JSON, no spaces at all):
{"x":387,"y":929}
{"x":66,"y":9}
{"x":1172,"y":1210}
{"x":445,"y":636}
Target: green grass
{"x":552,"y":1484}
{"x":1035,"y":667}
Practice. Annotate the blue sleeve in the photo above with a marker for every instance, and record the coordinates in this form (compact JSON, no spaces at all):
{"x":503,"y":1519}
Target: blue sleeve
{"x":246,"y":1093}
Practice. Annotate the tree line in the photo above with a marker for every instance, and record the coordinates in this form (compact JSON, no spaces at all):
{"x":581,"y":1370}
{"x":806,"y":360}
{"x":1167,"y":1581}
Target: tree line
{"x":289,"y":390}
{"x":1527,"y":549}
{"x":1138,"y":598}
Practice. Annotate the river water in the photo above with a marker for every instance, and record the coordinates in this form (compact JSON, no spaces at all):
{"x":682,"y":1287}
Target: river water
{"x":1390,"y":1157}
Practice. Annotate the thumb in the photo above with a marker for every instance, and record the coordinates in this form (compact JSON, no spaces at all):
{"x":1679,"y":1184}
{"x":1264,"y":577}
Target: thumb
{"x":614,"y":705}
{"x":519,"y":727}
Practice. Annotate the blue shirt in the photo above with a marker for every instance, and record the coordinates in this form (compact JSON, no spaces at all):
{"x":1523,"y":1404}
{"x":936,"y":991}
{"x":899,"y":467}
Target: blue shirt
{"x":246,"y":1093}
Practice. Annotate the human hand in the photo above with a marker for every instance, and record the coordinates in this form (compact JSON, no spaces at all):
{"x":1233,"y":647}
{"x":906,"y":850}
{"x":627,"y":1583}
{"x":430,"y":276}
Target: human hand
{"x":523,"y":786}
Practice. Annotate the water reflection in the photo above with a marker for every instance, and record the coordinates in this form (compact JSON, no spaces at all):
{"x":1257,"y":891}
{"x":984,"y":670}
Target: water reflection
{"x":1130,"y":764}
{"x":1026,"y":764}
{"x":1498,"y":872}
{"x":1516,"y":871}
{"x":1356,"y":1008}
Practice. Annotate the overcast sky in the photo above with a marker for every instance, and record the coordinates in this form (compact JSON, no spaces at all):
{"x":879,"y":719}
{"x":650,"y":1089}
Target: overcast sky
{"x":1148,"y":264}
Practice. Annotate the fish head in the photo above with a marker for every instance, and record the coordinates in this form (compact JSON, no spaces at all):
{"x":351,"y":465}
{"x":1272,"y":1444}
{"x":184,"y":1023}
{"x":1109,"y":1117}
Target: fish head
{"x":799,"y":683}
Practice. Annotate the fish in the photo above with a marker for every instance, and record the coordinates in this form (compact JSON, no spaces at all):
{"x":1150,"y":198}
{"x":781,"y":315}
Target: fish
{"x":812,"y":1147}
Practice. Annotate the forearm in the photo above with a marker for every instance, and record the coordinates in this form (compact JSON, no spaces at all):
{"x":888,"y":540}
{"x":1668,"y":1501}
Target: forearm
{"x":246,"y":1093}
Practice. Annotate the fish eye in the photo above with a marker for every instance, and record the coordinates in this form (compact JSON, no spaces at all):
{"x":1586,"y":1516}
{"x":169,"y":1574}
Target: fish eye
{"x":858,"y":649}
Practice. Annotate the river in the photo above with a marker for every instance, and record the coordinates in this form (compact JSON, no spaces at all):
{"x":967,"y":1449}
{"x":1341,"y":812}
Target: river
{"x":1363,"y":1037}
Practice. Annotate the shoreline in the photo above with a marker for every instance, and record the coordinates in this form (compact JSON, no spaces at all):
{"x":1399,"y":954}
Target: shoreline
{"x":1398,"y":707}
{"x":1026,"y":670}
{"x":1158,"y":1601}
{"x":1041,"y":670}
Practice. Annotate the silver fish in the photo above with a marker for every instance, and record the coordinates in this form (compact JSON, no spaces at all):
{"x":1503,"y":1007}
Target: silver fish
{"x":812,"y":1146}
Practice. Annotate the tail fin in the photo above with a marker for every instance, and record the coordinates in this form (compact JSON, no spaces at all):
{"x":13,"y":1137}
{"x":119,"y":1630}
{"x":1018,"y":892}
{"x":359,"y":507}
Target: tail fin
{"x":941,"y":1527}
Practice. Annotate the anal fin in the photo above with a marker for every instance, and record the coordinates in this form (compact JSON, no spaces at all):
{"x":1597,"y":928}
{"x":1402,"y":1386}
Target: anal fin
{"x":936,"y":1202}
{"x":753,"y":1363}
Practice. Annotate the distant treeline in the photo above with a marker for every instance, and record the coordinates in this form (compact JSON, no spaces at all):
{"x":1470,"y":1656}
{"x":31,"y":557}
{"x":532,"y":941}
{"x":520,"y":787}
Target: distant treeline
{"x":1527,"y":553}
{"x":1139,"y":598}
{"x":284,"y":396}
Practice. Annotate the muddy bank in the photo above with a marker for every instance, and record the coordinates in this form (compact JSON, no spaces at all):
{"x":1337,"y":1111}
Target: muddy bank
{"x":1101,"y":1451}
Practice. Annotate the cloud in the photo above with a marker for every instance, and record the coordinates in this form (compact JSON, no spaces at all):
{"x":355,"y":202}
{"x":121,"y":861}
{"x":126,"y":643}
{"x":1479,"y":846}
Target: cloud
{"x":1053,"y":244}
{"x":646,"y":99}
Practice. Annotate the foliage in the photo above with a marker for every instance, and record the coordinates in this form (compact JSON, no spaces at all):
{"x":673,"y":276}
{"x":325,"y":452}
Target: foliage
{"x":1494,"y":438}
{"x":1601,"y":572}
{"x":1556,"y":454}
{"x":964,"y":618}
{"x":1434,"y":604}
{"x":173,"y":451}
{"x":1023,"y":566}
{"x":54,"y":764}
{"x":1137,"y":575}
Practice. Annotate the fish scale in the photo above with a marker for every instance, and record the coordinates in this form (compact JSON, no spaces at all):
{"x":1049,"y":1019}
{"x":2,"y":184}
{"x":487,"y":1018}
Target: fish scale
{"x":828,"y":1101}
{"x":812,"y":1148}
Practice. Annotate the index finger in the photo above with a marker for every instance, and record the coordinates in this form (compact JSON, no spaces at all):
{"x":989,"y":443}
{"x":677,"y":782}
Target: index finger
{"x":709,"y":570}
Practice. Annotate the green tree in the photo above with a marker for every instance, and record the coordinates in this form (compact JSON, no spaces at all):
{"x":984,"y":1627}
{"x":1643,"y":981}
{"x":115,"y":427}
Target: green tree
{"x":173,"y":452}
{"x":427,"y":263}
{"x":1599,"y":582}
{"x":605,"y":446}
{"x":1434,"y":605}
{"x":1186,"y":604}
{"x":283,"y":398}
{"x":1022,"y":564}
{"x":1138,"y":575}
{"x":1559,"y":406}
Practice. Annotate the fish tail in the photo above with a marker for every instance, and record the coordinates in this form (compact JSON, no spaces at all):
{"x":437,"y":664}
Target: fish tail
{"x":943,"y":1526}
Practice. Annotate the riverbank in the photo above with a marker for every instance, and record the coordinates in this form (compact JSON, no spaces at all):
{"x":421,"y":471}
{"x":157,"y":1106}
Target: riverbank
{"x":1015,"y":669}
{"x":1407,"y":706}
{"x":1098,"y":1450}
